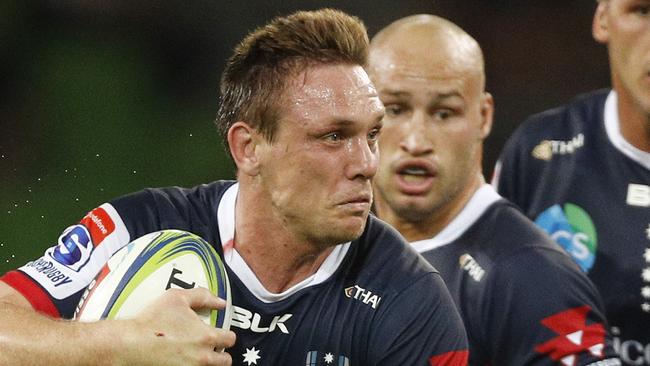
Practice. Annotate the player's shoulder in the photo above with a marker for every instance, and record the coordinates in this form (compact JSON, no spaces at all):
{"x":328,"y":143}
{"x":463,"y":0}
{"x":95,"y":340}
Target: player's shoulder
{"x":175,"y":196}
{"x":204,"y":192}
{"x":512,"y":236}
{"x":580,"y":114}
{"x":385,"y":256}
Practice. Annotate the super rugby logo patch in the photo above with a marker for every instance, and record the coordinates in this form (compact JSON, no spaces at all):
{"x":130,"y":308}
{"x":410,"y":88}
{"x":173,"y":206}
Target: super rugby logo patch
{"x":74,"y":248}
{"x":573,"y":229}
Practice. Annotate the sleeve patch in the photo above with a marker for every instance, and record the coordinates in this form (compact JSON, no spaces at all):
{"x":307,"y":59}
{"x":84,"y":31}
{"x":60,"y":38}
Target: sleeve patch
{"x":100,"y":225}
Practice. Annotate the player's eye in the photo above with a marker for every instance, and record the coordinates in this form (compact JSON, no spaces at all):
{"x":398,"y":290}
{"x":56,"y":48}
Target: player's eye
{"x":393,"y":110}
{"x":374,"y":134}
{"x":333,"y":136}
{"x":641,"y":9}
{"x":442,"y":114}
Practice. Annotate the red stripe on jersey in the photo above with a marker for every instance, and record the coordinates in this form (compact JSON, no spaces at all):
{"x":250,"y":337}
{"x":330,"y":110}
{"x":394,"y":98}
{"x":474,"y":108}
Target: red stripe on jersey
{"x":36,"y":296}
{"x":453,"y":358}
{"x":99,"y":224}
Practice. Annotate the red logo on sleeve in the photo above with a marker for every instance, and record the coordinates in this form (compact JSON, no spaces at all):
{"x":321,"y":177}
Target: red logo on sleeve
{"x":99,"y":224}
{"x":454,"y":358}
{"x":574,"y":336}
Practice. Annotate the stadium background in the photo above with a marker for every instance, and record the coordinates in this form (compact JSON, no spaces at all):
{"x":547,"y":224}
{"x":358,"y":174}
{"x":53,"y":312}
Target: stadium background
{"x":102,"y":98}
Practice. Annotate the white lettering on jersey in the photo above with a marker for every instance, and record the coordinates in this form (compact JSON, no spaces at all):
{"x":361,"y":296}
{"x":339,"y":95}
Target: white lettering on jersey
{"x":365,"y":296}
{"x":246,"y":319}
{"x":630,"y":351}
{"x":547,"y":148}
{"x":638,"y":195}
{"x":471,"y":266}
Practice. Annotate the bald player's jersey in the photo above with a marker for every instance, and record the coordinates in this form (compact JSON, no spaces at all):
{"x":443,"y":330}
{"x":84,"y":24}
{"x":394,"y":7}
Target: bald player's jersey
{"x":523,"y":300}
{"x":571,"y":171}
{"x":373,"y":301}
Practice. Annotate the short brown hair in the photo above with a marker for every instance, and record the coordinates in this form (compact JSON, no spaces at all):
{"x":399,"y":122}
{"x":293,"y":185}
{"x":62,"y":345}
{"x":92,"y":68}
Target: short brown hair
{"x":254,"y":78}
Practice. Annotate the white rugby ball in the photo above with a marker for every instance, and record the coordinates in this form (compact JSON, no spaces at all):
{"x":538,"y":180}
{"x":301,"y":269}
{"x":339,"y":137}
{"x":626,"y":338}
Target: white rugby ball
{"x":145,"y":268}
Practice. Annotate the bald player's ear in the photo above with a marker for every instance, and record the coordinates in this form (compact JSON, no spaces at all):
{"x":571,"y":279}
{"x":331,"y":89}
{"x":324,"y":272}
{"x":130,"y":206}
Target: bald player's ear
{"x":243,"y":141}
{"x":487,"y":114}
{"x":600,"y":26}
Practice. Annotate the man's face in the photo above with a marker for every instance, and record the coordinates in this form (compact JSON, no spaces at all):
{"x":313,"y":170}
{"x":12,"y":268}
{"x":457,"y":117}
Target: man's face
{"x":433,"y":128}
{"x":319,"y":167}
{"x":627,"y":34}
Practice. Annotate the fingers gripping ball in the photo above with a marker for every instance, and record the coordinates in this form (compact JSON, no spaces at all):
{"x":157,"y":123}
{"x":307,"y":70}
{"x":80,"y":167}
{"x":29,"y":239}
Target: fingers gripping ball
{"x":150,"y":265}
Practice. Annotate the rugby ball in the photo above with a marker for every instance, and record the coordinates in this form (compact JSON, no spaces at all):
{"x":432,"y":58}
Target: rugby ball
{"x":150,"y":265}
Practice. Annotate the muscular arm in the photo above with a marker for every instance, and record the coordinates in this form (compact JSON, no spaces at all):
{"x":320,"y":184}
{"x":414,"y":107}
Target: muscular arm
{"x":168,"y":333}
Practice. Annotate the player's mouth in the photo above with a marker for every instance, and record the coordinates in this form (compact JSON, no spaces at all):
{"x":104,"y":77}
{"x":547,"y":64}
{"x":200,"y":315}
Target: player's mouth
{"x":415,"y":177}
{"x":357,"y":203}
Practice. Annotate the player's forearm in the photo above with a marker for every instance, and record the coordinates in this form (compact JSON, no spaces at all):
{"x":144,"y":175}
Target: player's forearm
{"x":28,"y":338}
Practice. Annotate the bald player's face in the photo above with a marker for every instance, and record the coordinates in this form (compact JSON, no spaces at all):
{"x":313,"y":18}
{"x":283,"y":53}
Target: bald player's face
{"x":436,"y":118}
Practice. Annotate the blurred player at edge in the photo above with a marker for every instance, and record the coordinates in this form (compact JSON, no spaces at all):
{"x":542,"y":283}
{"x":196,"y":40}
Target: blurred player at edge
{"x":523,"y":301}
{"x":315,"y":279}
{"x":582,"y":172}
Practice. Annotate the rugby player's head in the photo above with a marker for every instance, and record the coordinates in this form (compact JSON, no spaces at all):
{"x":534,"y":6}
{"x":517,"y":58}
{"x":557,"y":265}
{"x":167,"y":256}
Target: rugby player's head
{"x":254,"y":80}
{"x":624,"y":26}
{"x":429,"y":74}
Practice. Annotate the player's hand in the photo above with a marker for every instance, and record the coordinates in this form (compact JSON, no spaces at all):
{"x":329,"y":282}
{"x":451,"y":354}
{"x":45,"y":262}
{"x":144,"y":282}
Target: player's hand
{"x":169,"y":332}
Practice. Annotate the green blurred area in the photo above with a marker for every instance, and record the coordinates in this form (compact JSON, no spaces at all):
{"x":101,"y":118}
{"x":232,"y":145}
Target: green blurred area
{"x":90,"y":120}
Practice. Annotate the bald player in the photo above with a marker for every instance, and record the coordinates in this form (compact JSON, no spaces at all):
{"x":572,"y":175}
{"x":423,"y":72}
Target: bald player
{"x":523,"y":300}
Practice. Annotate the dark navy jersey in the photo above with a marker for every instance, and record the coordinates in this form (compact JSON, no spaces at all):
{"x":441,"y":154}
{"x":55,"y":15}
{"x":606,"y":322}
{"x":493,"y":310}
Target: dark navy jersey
{"x":571,"y":171}
{"x":373,"y":301}
{"x":523,"y":300}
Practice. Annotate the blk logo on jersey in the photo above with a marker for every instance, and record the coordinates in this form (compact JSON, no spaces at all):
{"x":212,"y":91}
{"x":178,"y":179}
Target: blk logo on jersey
{"x":246,"y":319}
{"x":574,"y":230}
{"x":574,"y":336}
{"x":74,"y":248}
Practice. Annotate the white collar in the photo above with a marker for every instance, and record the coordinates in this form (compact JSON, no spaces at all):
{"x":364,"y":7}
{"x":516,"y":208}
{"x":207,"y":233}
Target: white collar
{"x":612,"y":126}
{"x":483,"y":198}
{"x":226,"y":217}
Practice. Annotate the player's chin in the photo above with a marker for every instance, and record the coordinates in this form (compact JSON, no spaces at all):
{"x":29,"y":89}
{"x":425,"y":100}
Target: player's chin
{"x":353,"y":227}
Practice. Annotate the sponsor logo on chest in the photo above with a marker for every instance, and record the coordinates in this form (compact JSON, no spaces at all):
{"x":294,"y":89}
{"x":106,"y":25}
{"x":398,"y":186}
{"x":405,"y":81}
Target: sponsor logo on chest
{"x":546,"y":149}
{"x":363,"y":295}
{"x":471,"y":266}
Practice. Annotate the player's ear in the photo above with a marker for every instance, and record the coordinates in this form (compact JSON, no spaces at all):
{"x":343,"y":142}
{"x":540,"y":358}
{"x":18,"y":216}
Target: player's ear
{"x":243,"y":140}
{"x":487,"y":114}
{"x":600,"y":26}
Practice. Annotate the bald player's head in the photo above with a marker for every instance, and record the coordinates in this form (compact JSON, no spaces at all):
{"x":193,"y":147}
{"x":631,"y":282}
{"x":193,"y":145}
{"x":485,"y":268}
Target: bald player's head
{"x":426,"y":43}
{"x":430,"y":76}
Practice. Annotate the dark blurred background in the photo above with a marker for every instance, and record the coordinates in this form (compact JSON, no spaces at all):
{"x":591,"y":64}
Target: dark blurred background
{"x":102,"y":98}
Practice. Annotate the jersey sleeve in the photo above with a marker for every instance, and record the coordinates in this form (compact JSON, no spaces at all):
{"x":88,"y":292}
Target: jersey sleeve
{"x":421,"y":326}
{"x":54,"y":283}
{"x":560,"y":322}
